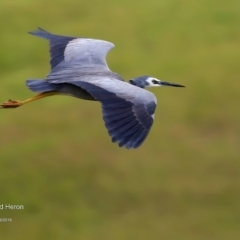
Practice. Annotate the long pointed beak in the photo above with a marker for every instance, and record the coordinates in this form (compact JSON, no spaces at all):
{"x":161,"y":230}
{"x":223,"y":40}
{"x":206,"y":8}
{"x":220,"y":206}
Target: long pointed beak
{"x":170,"y":84}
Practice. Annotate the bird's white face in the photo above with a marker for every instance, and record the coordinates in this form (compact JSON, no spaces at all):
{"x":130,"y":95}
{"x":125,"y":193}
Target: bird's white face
{"x":153,"y":82}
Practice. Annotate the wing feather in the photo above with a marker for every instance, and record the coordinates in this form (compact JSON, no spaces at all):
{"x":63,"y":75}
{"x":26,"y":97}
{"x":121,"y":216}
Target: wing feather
{"x":84,"y":51}
{"x":128,"y":120}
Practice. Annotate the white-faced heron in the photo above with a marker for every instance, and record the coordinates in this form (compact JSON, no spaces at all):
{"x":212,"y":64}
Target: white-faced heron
{"x":79,"y":69}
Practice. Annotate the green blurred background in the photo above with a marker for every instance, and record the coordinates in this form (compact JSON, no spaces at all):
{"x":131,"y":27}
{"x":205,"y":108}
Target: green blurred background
{"x":57,"y":159}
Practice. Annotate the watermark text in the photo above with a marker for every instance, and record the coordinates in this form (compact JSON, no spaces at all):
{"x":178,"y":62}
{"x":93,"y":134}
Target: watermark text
{"x":5,"y":220}
{"x":6,"y":206}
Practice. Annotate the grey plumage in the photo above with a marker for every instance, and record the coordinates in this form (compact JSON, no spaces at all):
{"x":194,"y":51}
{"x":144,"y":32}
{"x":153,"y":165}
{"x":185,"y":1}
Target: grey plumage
{"x":79,"y":69}
{"x":72,"y":49}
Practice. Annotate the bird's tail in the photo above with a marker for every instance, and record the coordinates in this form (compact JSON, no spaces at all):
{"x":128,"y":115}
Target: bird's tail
{"x":40,"y":85}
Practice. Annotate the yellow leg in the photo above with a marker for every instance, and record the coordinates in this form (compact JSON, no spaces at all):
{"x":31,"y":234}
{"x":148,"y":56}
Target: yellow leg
{"x":17,"y":103}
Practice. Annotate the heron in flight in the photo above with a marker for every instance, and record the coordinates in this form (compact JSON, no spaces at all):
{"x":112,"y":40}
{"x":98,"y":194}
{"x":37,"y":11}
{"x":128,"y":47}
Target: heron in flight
{"x":79,"y":69}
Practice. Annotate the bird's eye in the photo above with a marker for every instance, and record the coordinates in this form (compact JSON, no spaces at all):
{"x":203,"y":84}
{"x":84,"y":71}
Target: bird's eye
{"x":154,"y":81}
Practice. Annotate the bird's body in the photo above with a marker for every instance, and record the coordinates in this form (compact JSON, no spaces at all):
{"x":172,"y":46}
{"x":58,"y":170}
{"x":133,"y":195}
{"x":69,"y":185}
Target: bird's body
{"x":79,"y":69}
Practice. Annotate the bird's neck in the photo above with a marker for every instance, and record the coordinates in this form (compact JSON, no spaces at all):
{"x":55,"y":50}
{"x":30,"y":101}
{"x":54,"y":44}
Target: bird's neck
{"x":135,"y":84}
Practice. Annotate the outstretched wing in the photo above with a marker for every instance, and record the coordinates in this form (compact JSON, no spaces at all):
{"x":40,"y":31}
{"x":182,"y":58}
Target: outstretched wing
{"x":128,"y":111}
{"x":84,"y":51}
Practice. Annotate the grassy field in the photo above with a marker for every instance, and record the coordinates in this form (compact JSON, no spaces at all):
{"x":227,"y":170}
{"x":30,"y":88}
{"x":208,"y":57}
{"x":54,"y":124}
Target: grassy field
{"x":57,"y":159}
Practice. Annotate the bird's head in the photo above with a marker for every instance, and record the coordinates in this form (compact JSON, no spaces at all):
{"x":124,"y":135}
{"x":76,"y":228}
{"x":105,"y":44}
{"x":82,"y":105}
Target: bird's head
{"x":147,"y":81}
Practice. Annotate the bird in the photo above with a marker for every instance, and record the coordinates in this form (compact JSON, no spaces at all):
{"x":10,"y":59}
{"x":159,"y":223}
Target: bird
{"x":79,"y":69}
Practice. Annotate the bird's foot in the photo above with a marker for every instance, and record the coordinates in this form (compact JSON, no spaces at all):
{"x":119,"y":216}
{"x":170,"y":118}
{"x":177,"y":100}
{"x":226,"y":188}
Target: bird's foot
{"x":11,"y":104}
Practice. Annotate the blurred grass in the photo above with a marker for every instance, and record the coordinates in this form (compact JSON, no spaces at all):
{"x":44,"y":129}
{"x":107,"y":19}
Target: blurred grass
{"x":57,"y":159}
